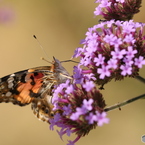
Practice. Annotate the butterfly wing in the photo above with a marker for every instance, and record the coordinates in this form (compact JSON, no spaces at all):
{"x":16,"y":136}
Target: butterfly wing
{"x":22,"y":87}
{"x":34,"y":86}
{"x":42,"y":108}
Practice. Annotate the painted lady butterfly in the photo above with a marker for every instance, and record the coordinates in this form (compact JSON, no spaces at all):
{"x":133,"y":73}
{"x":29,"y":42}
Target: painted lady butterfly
{"x":33,"y":86}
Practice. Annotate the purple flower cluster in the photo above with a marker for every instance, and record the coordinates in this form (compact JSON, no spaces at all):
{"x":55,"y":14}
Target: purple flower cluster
{"x":111,"y":49}
{"x":79,"y":109}
{"x":117,"y":9}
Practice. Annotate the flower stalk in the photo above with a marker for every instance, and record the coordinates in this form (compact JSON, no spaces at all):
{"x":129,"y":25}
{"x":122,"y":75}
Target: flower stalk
{"x":141,"y":79}
{"x":118,"y":105}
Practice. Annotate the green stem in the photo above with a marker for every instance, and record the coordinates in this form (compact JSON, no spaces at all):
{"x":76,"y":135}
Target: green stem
{"x":123,"y":103}
{"x":140,"y":79}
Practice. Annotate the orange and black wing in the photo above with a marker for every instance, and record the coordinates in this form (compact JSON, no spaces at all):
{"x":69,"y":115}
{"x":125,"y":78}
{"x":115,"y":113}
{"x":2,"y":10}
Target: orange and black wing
{"x":34,"y":86}
{"x":23,"y":87}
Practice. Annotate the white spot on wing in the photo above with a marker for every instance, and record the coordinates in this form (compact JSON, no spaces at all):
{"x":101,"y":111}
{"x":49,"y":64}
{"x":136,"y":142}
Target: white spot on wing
{"x":10,"y":85}
{"x":8,"y":94}
{"x":10,"y":79}
{"x":39,"y":103}
{"x":12,"y":75}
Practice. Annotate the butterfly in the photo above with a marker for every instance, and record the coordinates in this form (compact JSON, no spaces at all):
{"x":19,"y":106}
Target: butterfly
{"x":34,"y":86}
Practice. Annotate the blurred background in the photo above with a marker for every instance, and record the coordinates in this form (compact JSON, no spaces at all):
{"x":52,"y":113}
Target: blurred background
{"x":59,"y":26}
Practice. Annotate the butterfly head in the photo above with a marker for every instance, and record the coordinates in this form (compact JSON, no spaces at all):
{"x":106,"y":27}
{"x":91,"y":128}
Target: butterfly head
{"x":60,"y":72}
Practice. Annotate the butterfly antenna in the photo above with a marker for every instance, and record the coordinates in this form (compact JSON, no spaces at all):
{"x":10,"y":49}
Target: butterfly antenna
{"x":41,"y":46}
{"x":46,"y":60}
